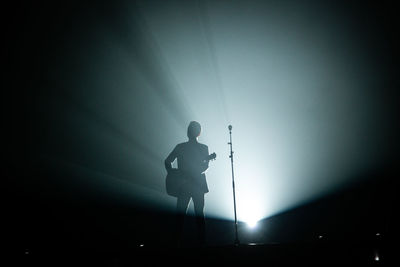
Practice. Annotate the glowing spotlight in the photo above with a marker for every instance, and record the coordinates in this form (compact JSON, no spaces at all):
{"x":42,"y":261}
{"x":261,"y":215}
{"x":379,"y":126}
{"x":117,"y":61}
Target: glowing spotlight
{"x":252,"y":224}
{"x":250,"y":212}
{"x":376,"y":256}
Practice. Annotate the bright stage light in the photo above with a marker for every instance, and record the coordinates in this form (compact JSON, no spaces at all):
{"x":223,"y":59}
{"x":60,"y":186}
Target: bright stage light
{"x":376,"y":256}
{"x":250,"y":206}
{"x":252,"y":223}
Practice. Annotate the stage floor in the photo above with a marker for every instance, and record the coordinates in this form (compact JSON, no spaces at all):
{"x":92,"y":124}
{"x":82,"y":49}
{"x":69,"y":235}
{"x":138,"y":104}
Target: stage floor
{"x":333,"y":253}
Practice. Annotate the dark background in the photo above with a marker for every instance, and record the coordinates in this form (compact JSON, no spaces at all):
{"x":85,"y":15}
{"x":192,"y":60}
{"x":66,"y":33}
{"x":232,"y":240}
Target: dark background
{"x":43,"y":213}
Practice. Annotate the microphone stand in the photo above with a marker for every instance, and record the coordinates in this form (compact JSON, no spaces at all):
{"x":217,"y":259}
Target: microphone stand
{"x":237,"y":242}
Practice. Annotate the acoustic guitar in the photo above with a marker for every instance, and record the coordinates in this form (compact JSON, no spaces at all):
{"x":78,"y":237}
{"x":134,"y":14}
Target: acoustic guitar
{"x":175,"y":180}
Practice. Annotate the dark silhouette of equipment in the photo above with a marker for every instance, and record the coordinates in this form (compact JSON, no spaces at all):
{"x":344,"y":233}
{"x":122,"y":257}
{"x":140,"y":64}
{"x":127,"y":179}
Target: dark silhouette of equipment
{"x":236,"y":242}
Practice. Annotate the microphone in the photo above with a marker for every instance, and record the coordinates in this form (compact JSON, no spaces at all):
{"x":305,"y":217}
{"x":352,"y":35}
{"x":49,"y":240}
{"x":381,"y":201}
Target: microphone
{"x":230,"y":127}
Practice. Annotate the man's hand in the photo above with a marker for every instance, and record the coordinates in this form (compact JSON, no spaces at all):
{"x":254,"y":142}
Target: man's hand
{"x":168,"y":166}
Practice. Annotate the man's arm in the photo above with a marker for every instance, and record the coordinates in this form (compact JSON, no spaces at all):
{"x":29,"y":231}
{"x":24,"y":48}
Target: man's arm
{"x":171,"y":158}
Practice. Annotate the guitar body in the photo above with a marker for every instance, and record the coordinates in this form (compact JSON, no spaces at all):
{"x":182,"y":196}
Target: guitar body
{"x":174,"y":182}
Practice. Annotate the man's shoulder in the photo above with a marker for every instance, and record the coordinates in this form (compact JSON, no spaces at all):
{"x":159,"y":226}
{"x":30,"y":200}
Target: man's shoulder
{"x":188,"y":144}
{"x":203,"y":146}
{"x":180,"y":145}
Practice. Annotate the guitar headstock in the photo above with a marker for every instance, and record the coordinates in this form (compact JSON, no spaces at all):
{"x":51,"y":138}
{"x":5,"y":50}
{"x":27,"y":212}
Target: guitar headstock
{"x":212,"y":156}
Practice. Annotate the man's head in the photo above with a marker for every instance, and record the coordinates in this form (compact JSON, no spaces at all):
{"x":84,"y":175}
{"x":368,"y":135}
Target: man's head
{"x":194,"y":130}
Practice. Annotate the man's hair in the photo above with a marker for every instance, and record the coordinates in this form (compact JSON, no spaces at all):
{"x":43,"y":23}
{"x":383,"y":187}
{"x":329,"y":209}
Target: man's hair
{"x":194,"y":129}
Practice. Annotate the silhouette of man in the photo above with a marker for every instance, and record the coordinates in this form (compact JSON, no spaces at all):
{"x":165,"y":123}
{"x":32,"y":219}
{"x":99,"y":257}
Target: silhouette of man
{"x":191,"y":157}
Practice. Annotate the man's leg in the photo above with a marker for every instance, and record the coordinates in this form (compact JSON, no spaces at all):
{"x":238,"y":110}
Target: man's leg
{"x":198,"y":201}
{"x":181,"y":208}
